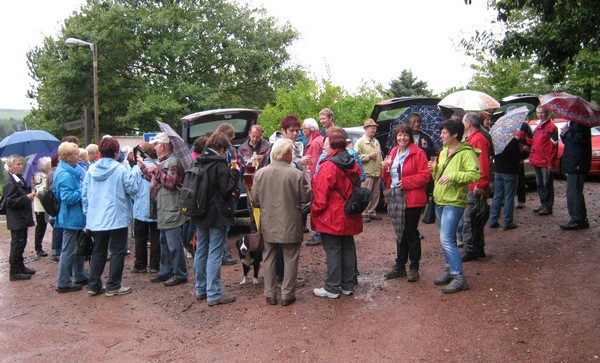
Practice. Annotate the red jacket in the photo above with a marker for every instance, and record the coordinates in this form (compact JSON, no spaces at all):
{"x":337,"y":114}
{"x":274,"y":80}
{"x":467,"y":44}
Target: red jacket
{"x":479,"y":141}
{"x":415,"y":176}
{"x":327,"y":213}
{"x":314,"y":149}
{"x":544,"y":147}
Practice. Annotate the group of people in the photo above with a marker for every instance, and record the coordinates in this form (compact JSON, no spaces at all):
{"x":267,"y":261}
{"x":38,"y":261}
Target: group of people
{"x":294,"y":181}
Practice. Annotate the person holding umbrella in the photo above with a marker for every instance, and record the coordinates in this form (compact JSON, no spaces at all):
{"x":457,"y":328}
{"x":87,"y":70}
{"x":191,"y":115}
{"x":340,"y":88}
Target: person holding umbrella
{"x":17,"y":198}
{"x":544,"y":149}
{"x":576,"y":163}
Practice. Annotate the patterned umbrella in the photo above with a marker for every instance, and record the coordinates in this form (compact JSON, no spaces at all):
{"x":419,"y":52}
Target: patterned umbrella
{"x":180,"y":148}
{"x":572,"y":108}
{"x":28,"y":142}
{"x":507,"y":127}
{"x":470,"y":100}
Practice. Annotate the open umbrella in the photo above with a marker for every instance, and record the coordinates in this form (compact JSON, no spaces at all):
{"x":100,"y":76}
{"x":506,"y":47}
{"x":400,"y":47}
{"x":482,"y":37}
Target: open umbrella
{"x":507,"y":127}
{"x":572,"y":108}
{"x":180,"y":147}
{"x":31,"y":167}
{"x":470,"y":100}
{"x":25,"y":143}
{"x":432,"y":116}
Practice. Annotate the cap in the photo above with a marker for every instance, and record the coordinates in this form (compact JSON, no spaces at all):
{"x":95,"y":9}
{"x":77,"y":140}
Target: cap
{"x":370,"y":122}
{"x":161,"y":137}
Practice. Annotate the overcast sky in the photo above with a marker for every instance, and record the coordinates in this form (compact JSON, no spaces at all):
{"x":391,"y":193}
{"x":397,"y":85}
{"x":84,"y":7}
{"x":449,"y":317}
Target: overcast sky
{"x":358,"y":41}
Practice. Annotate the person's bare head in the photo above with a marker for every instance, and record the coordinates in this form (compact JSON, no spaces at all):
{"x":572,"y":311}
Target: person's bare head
{"x":326,"y":118}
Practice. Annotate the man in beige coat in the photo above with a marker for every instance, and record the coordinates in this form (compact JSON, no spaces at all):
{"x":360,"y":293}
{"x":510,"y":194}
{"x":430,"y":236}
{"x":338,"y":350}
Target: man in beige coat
{"x":279,"y":190}
{"x":369,"y":150}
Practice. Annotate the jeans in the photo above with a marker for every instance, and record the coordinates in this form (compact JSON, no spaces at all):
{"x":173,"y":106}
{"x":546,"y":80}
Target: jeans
{"x":545,"y":187}
{"x":144,"y":232}
{"x":70,"y":264}
{"x":575,"y":198}
{"x":504,"y":190}
{"x":18,"y":242}
{"x":117,"y":238}
{"x":447,"y":219}
{"x":57,"y":237}
{"x":172,"y":257}
{"x":207,"y":261}
{"x":340,"y":254}
{"x":410,"y":243}
{"x":40,"y":230}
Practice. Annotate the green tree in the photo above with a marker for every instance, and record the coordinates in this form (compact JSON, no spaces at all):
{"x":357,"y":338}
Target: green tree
{"x":407,"y":85}
{"x":551,"y":32}
{"x":159,"y":60}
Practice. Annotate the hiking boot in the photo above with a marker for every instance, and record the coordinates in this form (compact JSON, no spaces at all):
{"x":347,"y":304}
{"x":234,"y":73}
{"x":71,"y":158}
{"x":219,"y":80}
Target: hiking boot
{"x":19,"y":277}
{"x":225,"y":299}
{"x":395,"y":272}
{"x":121,"y":291}
{"x":413,"y":276}
{"x":468,"y":256}
{"x":228,"y":260}
{"x":444,"y":279}
{"x":570,"y":226}
{"x":459,"y":283}
{"x":544,"y":212}
{"x":313,"y":241}
{"x":321,"y":292}
{"x":538,"y":209}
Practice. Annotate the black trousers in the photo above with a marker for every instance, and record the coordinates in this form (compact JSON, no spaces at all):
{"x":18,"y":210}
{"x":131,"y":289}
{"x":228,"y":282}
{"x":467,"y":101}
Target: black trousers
{"x":18,"y":242}
{"x":144,"y":232}
{"x":410,"y":244}
{"x":40,"y":229}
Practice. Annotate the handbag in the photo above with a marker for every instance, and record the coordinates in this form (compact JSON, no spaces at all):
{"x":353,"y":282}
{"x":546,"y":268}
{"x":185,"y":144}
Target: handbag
{"x":85,"y":243}
{"x":429,"y":212}
{"x":255,"y":242}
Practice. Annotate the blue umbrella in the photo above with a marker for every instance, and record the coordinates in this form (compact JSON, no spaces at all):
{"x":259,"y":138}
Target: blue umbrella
{"x":31,"y":168}
{"x":25,"y":143}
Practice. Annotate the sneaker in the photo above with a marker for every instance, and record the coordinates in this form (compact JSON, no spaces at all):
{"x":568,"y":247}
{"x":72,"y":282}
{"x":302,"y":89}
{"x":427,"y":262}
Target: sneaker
{"x":228,"y":260}
{"x":395,"y":272}
{"x":347,"y":292}
{"x":536,"y":210}
{"x":313,"y":241}
{"x":508,"y":227}
{"x":28,"y":271}
{"x":159,"y":278}
{"x":321,"y":292}
{"x":42,"y":253}
{"x":413,"y":276}
{"x":173,"y":281}
{"x":19,"y":277}
{"x":375,"y":217}
{"x":570,"y":226}
{"x":153,"y":270}
{"x":225,"y":299}
{"x":444,"y":279}
{"x":94,"y":293}
{"x":72,"y":288}
{"x":138,"y":270}
{"x":121,"y":291}
{"x":459,"y":283}
{"x":544,"y":212}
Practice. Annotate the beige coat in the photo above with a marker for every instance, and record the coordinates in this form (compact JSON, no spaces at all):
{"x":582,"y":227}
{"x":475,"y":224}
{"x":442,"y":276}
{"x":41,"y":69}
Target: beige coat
{"x":279,"y":190}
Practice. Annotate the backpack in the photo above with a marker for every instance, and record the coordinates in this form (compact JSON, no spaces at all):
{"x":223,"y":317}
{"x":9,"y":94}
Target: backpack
{"x":193,"y":195}
{"x":49,"y":201}
{"x":358,"y":200}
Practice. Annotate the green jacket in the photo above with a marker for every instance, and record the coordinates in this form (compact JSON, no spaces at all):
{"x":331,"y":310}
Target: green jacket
{"x":462,"y":169}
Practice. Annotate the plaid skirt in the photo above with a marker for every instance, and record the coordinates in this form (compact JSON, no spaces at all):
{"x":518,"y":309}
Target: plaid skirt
{"x":396,"y":206}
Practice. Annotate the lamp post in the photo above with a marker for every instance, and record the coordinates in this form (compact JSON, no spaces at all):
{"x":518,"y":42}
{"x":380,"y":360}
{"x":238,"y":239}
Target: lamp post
{"x":73,"y":42}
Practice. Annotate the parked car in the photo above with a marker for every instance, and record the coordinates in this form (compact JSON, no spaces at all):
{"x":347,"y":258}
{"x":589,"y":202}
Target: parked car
{"x":595,"y":170}
{"x":199,"y":123}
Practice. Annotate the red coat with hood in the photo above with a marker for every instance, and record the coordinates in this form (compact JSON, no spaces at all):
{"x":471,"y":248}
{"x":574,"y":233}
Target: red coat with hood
{"x":327,"y":212}
{"x":415,"y":176}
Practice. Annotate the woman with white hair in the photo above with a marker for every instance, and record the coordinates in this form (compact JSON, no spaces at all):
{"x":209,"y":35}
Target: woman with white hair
{"x":17,"y":198}
{"x":279,"y":190}
{"x":310,"y":129}
{"x":39,"y":184}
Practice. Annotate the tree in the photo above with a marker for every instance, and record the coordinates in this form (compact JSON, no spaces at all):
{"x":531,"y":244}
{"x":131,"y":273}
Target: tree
{"x":552,"y":32}
{"x":159,"y":60}
{"x":407,"y":85}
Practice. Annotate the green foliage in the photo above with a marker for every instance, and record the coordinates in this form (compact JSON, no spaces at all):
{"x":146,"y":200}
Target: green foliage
{"x":407,"y":85}
{"x":552,"y":32}
{"x":306,"y":98}
{"x":158,"y":60}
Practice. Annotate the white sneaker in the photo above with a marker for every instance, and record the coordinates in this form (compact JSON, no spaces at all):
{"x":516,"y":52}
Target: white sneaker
{"x":347,"y":292}
{"x":321,"y":292}
{"x":121,"y":291}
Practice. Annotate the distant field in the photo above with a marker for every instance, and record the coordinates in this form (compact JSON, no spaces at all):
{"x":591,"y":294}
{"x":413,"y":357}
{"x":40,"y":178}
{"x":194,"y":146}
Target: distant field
{"x":13,"y":114}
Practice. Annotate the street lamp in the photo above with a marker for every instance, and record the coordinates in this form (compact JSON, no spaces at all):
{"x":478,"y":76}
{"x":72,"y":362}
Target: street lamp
{"x":73,"y":42}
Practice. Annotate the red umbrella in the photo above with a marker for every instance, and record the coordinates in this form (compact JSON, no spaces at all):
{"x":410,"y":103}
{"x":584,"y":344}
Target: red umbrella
{"x":572,"y":108}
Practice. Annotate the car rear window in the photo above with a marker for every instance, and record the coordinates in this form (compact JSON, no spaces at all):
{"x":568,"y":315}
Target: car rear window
{"x":240,"y":126}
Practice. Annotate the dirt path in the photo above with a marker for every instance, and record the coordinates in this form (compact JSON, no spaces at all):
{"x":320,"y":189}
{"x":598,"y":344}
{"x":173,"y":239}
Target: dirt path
{"x":534,"y":298}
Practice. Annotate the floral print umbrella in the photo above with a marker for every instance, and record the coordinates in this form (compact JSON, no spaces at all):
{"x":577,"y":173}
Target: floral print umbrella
{"x":507,"y":127}
{"x":572,"y":108}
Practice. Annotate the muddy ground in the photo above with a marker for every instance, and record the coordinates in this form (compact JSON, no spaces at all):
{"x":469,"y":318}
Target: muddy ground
{"x":534,"y":298}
